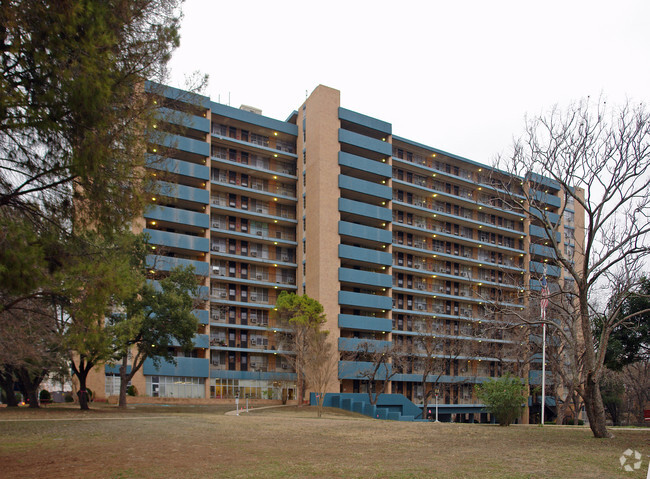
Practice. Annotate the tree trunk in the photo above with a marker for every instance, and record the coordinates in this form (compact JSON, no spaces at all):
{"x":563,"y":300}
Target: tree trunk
{"x":7,"y":384}
{"x":82,"y":394}
{"x":124,"y":381}
{"x":595,"y":409}
{"x":29,"y":386}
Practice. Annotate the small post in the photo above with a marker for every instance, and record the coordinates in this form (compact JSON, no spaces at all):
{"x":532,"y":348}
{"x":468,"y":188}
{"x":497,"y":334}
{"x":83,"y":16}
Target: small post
{"x":237,"y":404}
{"x":437,"y":393}
{"x":247,"y":404}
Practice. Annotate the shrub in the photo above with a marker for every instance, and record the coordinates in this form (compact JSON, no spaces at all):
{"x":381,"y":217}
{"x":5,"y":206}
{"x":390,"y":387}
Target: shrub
{"x":131,"y":390}
{"x":503,"y":397}
{"x":45,"y":395}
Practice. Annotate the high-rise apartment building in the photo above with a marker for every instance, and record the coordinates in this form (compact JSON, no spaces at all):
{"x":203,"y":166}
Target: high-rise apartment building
{"x":395,"y":238}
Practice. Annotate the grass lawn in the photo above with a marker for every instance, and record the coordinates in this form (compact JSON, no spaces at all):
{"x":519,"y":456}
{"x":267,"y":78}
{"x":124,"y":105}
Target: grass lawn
{"x":201,"y":442}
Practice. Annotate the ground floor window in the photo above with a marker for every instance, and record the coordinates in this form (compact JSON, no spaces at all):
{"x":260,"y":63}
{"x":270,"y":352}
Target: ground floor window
{"x":230,"y":388}
{"x":175,"y":387}
{"x":112,"y":384}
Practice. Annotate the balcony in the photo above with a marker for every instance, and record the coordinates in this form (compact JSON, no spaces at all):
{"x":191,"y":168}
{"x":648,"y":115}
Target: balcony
{"x":364,"y":300}
{"x":186,"y":367}
{"x":167,"y":263}
{"x":373,"y":345}
{"x":178,"y":167}
{"x":180,"y":118}
{"x":364,"y":187}
{"x":538,"y":268}
{"x":182,"y":192}
{"x":355,"y":369}
{"x":202,"y":315}
{"x":363,"y":232}
{"x":363,"y":209}
{"x":177,"y":215}
{"x":545,"y":198}
{"x":541,"y":250}
{"x":368,"y":278}
{"x":553,"y":218}
{"x":177,"y":240}
{"x":365,"y":255}
{"x":365,"y":142}
{"x":364,"y":323}
{"x":365,"y":165}
{"x":540,"y":232}
{"x":185,"y":144}
{"x":365,"y":121}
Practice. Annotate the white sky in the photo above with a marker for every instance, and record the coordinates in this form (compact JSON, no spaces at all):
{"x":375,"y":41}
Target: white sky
{"x":455,"y":75}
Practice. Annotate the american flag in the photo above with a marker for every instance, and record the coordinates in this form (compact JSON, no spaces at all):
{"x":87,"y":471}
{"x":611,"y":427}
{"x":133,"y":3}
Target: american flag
{"x":544,"y":295}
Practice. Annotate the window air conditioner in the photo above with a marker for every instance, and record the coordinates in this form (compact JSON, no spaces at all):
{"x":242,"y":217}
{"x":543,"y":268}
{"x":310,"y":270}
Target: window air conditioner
{"x":259,"y":233}
{"x":258,"y":277}
{"x":421,"y":307}
{"x":253,"y":319}
{"x":253,"y":297}
{"x":259,"y":210}
{"x":284,"y":366}
{"x":421,"y":286}
{"x":222,"y":295}
{"x":285,"y":258}
{"x":417,"y":266}
{"x":253,"y":342}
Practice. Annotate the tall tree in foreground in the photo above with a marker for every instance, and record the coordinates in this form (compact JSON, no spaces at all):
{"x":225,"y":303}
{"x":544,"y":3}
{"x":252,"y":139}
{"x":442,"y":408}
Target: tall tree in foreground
{"x":301,"y":316}
{"x":320,"y":365}
{"x":600,"y":157}
{"x":153,"y":320}
{"x":95,"y":281}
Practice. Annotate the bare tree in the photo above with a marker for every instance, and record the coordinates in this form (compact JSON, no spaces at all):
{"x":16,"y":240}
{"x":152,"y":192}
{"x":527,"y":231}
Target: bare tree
{"x":600,"y":159}
{"x":636,"y":378}
{"x":374,"y":364}
{"x":320,"y":366}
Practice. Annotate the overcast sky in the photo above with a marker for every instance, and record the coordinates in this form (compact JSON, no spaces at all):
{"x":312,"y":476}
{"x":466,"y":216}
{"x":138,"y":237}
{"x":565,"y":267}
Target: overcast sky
{"x":455,"y":75}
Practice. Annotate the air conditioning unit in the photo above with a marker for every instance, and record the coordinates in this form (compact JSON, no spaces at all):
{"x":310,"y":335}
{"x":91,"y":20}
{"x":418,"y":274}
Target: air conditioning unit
{"x":259,"y":210}
{"x":291,"y":281}
{"x":285,"y":258}
{"x":284,"y":366}
{"x":253,"y":319}
{"x":462,"y":293}
{"x":421,"y":286}
{"x":420,"y":307}
{"x":215,"y":247}
{"x":259,"y":233}
{"x":253,"y":365}
{"x":254,"y":254}
{"x":416,"y":266}
{"x":222,"y":295}
{"x":258,"y":277}
{"x":253,"y":297}
{"x":253,"y":341}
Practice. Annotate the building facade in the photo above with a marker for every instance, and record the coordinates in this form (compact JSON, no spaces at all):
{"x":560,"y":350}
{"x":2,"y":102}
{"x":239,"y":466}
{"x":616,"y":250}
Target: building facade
{"x":396,"y":239}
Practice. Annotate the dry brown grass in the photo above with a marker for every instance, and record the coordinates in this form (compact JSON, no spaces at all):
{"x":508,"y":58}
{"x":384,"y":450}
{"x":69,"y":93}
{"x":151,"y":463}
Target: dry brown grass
{"x":198,"y":442}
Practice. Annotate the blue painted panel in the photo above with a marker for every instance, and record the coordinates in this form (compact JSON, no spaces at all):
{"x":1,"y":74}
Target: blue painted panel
{"x":366,"y":187}
{"x":183,"y":192}
{"x":189,"y":145}
{"x":167,"y":263}
{"x":253,"y":118}
{"x":355,"y":369}
{"x":536,"y":267}
{"x":183,"y":119}
{"x":364,"y":164}
{"x":363,"y":300}
{"x":349,"y":275}
{"x":202,"y":341}
{"x":179,"y":167}
{"x":541,"y":250}
{"x":353,"y":344}
{"x":541,"y":232}
{"x":187,"y":367}
{"x":177,"y":94}
{"x":177,"y":240}
{"x":543,"y":180}
{"x":365,"y":232}
{"x":553,"y":218}
{"x":364,"y":254}
{"x":115,"y":368}
{"x":177,"y":215}
{"x":364,"y":209}
{"x":365,"y":142}
{"x":364,"y":120}
{"x":203,"y":315}
{"x":364,"y":323}
{"x":547,"y":198}
{"x":253,"y":375}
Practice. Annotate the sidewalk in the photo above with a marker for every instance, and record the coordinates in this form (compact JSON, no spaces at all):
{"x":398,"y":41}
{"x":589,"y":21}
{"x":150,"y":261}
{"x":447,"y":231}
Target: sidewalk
{"x":243,"y":410}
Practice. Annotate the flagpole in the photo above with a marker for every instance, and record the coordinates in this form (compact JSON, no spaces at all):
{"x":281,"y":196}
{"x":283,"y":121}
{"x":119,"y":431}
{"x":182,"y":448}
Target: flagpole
{"x":543,"y":370}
